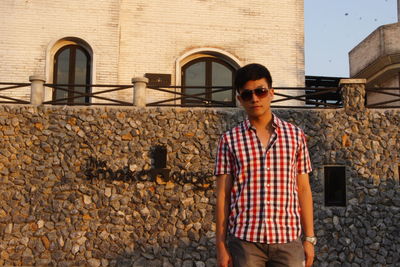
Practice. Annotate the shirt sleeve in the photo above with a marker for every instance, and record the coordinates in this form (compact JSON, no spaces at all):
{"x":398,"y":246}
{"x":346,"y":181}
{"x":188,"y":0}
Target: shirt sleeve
{"x":223,"y":159}
{"x":303,"y":157}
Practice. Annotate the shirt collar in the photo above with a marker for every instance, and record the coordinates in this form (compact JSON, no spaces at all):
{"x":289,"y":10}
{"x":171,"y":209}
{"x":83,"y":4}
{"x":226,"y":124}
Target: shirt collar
{"x":276,"y":123}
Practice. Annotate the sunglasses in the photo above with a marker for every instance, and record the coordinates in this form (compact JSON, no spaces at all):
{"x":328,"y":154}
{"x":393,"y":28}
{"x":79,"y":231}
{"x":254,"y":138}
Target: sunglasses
{"x":247,"y":95}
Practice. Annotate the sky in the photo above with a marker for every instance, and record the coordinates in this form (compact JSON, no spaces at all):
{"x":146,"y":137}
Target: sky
{"x":334,"y":27}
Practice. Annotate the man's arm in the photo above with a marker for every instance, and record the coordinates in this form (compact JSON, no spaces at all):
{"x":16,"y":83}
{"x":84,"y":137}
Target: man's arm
{"x":224,"y":185}
{"x":307,"y":216}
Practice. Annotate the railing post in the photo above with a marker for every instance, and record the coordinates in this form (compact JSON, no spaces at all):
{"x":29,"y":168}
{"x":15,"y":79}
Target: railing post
{"x":139,"y":91}
{"x":353,"y":94}
{"x":37,"y":89}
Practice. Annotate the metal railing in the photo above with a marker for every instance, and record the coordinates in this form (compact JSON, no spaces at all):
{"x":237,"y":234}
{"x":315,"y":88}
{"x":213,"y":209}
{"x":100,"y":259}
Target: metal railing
{"x":4,"y":99}
{"x":84,"y":94}
{"x":88,"y":96}
{"x":202,"y":99}
{"x":193,"y":96}
{"x":308,"y":97}
{"x":384,"y":97}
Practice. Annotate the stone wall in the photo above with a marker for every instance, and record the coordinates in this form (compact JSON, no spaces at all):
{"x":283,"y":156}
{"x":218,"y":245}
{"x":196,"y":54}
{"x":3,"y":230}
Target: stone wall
{"x":51,"y":213}
{"x":76,"y":185}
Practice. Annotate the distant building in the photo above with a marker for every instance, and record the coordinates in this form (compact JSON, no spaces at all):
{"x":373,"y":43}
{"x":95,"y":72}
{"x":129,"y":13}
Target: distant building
{"x":377,"y":59}
{"x":177,"y":42}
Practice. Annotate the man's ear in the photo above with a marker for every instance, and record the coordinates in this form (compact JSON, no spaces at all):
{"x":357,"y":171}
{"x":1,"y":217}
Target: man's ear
{"x":271,"y":91}
{"x":239,"y":99}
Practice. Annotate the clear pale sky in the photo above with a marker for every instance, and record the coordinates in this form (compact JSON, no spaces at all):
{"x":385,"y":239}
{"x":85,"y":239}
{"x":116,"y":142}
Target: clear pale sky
{"x":334,"y":27}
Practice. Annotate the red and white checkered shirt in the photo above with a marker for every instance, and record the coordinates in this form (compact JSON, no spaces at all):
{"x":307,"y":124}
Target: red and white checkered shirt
{"x":264,"y":199}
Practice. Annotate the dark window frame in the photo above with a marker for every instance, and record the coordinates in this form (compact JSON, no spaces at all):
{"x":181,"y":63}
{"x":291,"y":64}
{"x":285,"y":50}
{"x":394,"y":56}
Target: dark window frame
{"x":335,"y":185}
{"x":208,"y":79}
{"x":71,"y":72}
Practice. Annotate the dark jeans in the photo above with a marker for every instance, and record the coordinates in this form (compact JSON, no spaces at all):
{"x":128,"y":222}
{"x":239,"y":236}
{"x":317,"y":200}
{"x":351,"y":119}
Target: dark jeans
{"x":249,"y":254}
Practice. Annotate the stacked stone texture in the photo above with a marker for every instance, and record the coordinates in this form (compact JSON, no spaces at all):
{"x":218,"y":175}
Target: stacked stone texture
{"x":51,"y":213}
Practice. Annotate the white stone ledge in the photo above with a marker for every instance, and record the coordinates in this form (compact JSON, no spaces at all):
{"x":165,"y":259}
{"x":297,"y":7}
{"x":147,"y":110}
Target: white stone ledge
{"x":352,"y":81}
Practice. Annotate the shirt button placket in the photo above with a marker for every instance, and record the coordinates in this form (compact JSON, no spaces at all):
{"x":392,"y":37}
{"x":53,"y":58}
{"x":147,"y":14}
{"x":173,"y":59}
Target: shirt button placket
{"x":268,"y":220}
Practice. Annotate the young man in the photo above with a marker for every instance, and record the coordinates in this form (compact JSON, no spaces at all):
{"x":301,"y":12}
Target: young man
{"x":263,"y":191}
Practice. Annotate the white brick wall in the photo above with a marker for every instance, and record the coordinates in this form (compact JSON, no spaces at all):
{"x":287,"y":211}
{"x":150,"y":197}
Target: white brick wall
{"x":131,"y":38}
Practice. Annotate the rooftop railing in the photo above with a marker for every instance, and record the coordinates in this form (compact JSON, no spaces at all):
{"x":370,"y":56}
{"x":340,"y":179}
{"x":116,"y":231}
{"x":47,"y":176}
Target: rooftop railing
{"x":83,"y":94}
{"x":299,"y":97}
{"x":143,"y":95}
{"x":6,"y":98}
{"x":328,"y":97}
{"x":382,"y":97}
{"x":200,"y":96}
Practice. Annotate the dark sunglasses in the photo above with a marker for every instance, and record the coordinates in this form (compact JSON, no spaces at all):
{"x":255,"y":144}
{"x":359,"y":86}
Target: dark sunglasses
{"x":247,"y":95}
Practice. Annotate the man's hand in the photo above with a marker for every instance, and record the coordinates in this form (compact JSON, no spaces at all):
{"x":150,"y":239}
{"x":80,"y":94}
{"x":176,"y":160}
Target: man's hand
{"x":224,"y":258}
{"x":308,"y":253}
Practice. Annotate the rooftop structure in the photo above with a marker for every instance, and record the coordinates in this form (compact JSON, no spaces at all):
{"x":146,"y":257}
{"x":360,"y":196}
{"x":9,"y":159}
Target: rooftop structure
{"x":377,"y":59}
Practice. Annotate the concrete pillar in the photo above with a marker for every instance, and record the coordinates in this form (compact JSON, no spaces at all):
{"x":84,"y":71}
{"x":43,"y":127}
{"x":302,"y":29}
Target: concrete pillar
{"x":37,"y":89}
{"x":139,"y":91}
{"x":353,"y":94}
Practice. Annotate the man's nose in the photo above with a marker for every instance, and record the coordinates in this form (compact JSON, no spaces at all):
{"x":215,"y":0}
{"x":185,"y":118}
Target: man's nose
{"x":254,"y":97}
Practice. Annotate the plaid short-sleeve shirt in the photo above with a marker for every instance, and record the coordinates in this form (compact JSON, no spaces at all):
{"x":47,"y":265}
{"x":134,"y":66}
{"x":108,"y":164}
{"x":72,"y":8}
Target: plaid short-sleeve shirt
{"x":264,"y":199}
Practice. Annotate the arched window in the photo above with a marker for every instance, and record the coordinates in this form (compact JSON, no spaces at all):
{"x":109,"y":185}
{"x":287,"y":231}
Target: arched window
{"x":72,"y":65}
{"x":208,"y":73}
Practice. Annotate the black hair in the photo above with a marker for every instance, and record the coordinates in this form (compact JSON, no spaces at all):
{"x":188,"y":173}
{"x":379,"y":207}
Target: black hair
{"x":251,"y":72}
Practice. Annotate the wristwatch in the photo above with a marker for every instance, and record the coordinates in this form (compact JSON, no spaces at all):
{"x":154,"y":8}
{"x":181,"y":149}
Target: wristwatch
{"x":311,"y":239}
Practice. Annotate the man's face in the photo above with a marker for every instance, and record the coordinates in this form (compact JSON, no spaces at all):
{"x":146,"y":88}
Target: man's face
{"x":256,"y":106}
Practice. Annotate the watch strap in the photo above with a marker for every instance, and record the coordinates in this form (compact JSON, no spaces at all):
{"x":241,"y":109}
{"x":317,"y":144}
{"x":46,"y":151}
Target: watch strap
{"x":311,"y":239}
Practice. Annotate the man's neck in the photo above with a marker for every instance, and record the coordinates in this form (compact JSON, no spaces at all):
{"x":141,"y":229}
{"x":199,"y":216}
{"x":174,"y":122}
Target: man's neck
{"x":262,"y":122}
